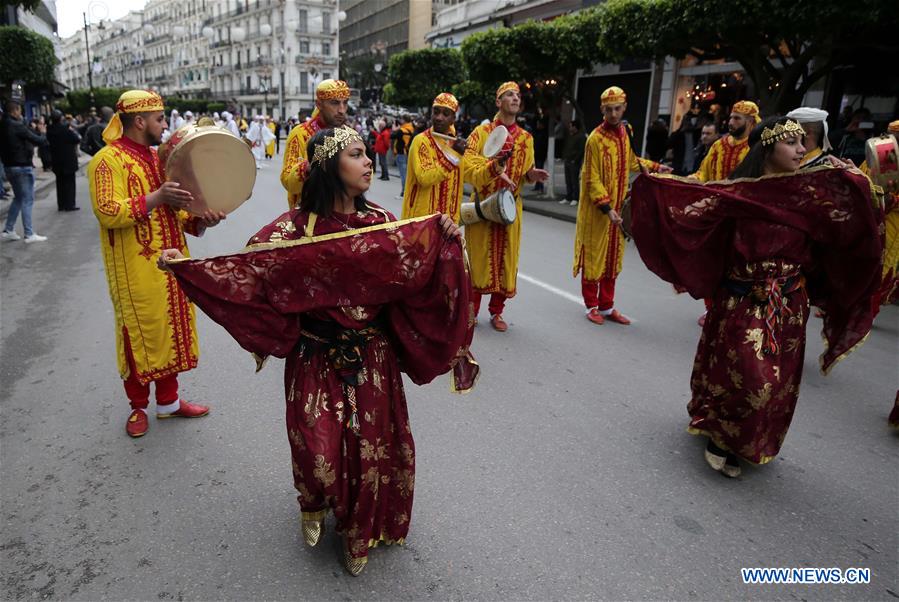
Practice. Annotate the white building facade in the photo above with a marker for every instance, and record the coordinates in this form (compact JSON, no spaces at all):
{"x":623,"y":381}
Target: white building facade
{"x":256,"y":56}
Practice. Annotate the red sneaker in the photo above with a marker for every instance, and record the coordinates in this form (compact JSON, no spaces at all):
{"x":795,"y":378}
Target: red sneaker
{"x":617,"y":316}
{"x":137,"y":424}
{"x":498,"y":323}
{"x":594,"y":316}
{"x":187,"y":410}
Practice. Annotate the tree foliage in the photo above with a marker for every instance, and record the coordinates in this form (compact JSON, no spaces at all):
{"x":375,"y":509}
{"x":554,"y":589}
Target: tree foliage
{"x":79,"y":101}
{"x":27,"y":5}
{"x":417,"y":76}
{"x":26,"y":55}
{"x":784,"y":47}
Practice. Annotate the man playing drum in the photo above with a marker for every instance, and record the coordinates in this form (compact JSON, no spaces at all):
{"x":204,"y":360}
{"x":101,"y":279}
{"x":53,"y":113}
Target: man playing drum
{"x":434,"y":177}
{"x":140,"y":215}
{"x":493,"y":247}
{"x":599,"y":241}
{"x":331,"y":98}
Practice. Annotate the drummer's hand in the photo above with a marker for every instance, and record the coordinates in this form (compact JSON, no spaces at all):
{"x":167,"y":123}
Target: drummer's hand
{"x":503,"y":158}
{"x":170,"y":194}
{"x":664,"y":169}
{"x":616,"y":219}
{"x":449,"y":228}
{"x":508,"y":181}
{"x":459,"y":145}
{"x":167,"y":256}
{"x":212,"y":218}
{"x":537,"y":175}
{"x":835,"y":162}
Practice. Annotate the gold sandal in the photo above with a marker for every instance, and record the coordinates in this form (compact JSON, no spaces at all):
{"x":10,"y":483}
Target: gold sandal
{"x":313,"y":526}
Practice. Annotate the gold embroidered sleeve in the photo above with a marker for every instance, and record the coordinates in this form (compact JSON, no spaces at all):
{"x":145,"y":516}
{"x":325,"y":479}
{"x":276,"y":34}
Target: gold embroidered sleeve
{"x":108,"y":196}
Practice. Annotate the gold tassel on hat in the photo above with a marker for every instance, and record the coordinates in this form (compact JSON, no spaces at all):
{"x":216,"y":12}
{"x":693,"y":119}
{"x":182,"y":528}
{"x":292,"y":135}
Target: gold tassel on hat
{"x":113,"y":130}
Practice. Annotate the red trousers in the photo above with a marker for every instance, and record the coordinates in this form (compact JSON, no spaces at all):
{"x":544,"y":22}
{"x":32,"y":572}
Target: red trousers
{"x":138,"y":394}
{"x":496,"y":306}
{"x":598,"y":293}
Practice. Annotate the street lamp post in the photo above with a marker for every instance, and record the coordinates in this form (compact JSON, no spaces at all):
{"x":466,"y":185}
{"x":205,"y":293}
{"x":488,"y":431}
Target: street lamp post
{"x":90,"y":66}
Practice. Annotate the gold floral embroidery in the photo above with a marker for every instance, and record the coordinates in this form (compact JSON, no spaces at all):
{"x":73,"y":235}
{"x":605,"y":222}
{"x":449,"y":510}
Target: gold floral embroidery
{"x":402,"y":518}
{"x":755,"y":336}
{"x":316,"y":403}
{"x":761,"y":397}
{"x":735,"y":377}
{"x":405,"y":482}
{"x":375,"y":452}
{"x":305,"y":494}
{"x":297,"y":439}
{"x":371,"y":417}
{"x":323,"y":471}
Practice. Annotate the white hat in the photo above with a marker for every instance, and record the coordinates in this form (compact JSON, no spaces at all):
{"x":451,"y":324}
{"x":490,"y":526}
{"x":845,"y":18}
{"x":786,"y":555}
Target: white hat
{"x":215,"y":115}
{"x":188,"y":114}
{"x":811,"y":115}
{"x":226,"y":115}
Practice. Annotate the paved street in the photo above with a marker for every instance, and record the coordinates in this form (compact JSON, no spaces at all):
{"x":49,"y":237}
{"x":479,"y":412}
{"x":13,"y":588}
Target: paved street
{"x":567,"y":474}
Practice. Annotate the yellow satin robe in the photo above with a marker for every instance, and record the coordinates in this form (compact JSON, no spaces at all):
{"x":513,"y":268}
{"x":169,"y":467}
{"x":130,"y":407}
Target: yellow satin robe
{"x":270,"y":147}
{"x":493,"y":248}
{"x":723,"y":157}
{"x":293,"y":170}
{"x":891,"y":242}
{"x":433,"y":180}
{"x":148,"y":303}
{"x":608,"y":161}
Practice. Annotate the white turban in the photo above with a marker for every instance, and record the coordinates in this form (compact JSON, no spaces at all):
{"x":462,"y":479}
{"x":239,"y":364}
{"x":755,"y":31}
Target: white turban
{"x":810,"y":115}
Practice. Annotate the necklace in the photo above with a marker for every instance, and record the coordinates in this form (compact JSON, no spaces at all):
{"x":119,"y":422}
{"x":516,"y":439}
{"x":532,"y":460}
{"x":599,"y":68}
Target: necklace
{"x":345,"y":224}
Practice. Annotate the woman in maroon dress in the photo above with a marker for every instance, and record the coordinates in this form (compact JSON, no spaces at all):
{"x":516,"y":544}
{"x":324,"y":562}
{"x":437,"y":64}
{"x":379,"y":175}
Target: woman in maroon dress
{"x":350,"y":311}
{"x":761,"y":246}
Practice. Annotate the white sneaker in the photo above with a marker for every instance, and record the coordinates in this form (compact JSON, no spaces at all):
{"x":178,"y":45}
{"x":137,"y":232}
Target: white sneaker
{"x":35,"y":237}
{"x":9,"y":235}
{"x":574,"y":203}
{"x":563,"y":202}
{"x":399,"y":197}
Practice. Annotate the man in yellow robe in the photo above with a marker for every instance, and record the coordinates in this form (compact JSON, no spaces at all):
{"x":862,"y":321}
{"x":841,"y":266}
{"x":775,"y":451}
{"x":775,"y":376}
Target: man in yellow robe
{"x":493,"y":248}
{"x":270,"y":147}
{"x":434,"y":179}
{"x":331,"y":98}
{"x":140,"y":215}
{"x":599,"y":241}
{"x":727,"y":152}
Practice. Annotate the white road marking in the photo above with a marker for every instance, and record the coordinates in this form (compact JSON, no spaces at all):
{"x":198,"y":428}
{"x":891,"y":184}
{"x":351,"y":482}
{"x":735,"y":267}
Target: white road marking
{"x":552,"y":289}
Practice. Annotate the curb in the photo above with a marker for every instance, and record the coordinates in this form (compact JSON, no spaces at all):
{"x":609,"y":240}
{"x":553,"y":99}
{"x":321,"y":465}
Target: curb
{"x":538,"y":207}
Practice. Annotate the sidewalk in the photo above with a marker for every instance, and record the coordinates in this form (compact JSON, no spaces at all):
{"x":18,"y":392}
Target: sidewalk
{"x":44,"y":184}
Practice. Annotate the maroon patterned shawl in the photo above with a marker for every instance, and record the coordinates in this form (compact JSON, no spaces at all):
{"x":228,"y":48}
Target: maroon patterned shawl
{"x":692,"y":234}
{"x":408,"y":268}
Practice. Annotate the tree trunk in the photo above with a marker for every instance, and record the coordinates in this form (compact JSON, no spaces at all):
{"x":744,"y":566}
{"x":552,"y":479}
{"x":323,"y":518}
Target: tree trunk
{"x":551,"y":156}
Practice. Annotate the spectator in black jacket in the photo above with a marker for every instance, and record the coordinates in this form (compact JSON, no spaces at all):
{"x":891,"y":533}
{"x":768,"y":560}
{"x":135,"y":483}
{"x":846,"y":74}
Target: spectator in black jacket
{"x":17,"y":144}
{"x":93,"y":134}
{"x":64,"y":141}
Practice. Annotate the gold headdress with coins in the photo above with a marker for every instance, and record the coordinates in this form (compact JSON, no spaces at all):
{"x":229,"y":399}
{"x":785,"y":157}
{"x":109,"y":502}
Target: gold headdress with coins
{"x":132,"y":101}
{"x":781,"y":131}
{"x":334,"y":142}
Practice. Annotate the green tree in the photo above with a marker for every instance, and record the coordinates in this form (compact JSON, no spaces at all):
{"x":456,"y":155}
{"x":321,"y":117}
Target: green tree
{"x":79,"y":101}
{"x":25,"y":55}
{"x":27,"y":5}
{"x":784,"y":47}
{"x":417,"y":76}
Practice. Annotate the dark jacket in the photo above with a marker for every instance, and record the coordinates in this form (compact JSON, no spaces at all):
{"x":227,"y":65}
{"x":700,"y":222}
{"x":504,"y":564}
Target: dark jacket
{"x":93,"y":138}
{"x":573,"y":148}
{"x":63,"y":148}
{"x":17,"y":142}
